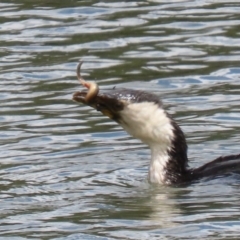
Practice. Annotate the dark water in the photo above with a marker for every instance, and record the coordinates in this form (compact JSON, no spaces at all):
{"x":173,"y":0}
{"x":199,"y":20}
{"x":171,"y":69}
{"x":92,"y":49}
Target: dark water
{"x":67,"y":172}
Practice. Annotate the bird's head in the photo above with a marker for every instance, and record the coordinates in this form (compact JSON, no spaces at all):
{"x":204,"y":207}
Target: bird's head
{"x":140,"y":113}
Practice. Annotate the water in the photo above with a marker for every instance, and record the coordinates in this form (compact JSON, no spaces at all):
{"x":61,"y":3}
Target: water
{"x":66,"y":171}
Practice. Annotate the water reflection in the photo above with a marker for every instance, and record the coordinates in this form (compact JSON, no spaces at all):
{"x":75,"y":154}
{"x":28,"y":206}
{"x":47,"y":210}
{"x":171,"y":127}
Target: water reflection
{"x":66,"y":171}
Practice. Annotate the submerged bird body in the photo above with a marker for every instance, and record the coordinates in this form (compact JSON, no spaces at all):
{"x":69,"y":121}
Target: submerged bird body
{"x":142,"y":115}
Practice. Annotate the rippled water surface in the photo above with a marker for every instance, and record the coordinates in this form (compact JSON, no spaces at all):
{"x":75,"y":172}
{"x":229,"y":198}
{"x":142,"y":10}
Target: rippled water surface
{"x":66,"y":171}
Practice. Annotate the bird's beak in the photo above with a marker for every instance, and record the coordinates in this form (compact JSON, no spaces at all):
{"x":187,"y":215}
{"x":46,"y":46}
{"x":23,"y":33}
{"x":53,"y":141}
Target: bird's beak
{"x":106,"y":102}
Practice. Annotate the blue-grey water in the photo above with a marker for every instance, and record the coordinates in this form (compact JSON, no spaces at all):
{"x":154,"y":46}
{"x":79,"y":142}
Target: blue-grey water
{"x":66,"y":171}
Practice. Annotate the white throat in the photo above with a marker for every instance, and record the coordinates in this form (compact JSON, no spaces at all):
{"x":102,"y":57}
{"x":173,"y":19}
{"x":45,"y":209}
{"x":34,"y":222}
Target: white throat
{"x":148,"y":122}
{"x":158,"y":164}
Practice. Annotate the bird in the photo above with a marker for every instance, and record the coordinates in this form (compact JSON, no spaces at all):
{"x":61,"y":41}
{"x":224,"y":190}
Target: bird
{"x":142,"y":115}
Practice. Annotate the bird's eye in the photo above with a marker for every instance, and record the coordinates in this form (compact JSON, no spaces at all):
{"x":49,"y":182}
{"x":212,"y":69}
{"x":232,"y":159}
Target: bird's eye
{"x":100,"y":106}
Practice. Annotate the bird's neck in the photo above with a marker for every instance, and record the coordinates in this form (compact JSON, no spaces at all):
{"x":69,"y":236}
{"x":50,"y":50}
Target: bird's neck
{"x":159,"y":163}
{"x":148,"y":122}
{"x":168,"y":163}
